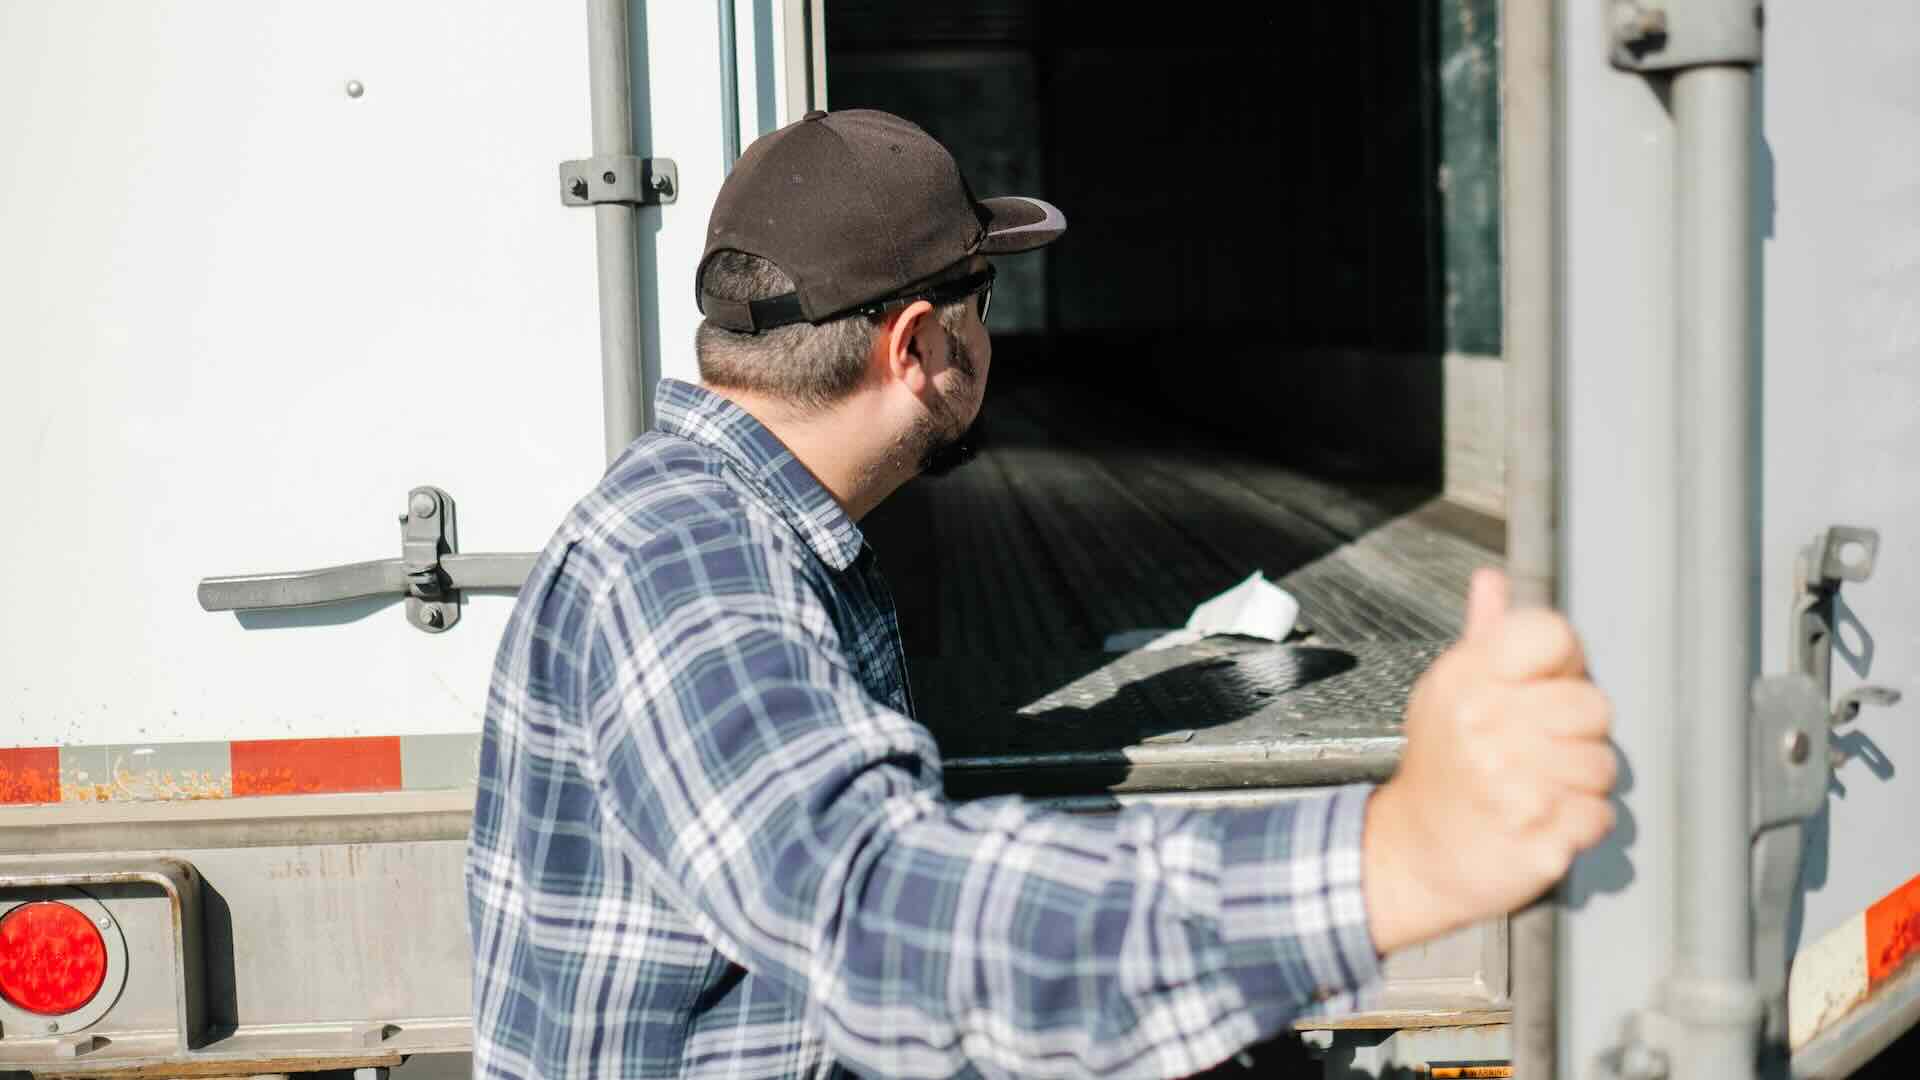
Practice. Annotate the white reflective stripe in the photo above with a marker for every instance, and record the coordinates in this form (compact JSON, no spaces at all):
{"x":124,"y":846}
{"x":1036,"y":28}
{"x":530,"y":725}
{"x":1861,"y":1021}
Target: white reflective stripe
{"x":1829,"y":977}
{"x":1842,"y":969}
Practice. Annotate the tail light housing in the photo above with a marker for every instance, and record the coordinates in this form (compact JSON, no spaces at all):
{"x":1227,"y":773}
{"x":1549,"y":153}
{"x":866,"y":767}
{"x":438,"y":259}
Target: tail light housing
{"x":63,"y":961}
{"x":53,"y":959}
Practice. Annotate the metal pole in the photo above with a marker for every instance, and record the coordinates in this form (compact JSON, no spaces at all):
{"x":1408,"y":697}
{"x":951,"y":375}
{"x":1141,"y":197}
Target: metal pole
{"x":1531,"y":313}
{"x":1711,"y":989}
{"x":797,"y":53}
{"x":817,"y":55}
{"x":729,"y":88}
{"x":624,"y":378}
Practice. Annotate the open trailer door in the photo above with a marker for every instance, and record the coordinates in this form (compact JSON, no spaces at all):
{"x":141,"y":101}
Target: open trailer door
{"x":1740,"y":342}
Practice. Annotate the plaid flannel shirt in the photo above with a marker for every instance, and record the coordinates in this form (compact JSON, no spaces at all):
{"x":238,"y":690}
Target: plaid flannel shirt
{"x":710,"y":840}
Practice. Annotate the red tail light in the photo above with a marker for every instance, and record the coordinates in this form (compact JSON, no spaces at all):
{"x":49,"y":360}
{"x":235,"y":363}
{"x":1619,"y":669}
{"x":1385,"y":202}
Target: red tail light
{"x":52,"y":958}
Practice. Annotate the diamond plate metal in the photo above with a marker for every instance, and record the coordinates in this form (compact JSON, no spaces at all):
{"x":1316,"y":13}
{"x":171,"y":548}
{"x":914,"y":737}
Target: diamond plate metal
{"x":1222,"y":713}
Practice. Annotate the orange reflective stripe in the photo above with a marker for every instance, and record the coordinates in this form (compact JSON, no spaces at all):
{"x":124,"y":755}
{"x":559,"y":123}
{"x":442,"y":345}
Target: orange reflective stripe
{"x":30,"y":774}
{"x":316,"y":766}
{"x":1893,"y":931}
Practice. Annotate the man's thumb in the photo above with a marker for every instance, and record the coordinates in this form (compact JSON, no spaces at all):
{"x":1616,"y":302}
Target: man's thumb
{"x":1486,"y":604}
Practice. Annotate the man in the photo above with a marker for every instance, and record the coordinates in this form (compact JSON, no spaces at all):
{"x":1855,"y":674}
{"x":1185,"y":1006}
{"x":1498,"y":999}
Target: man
{"x":711,"y":840}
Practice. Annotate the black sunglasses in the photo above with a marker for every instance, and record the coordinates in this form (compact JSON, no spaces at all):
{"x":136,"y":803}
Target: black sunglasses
{"x":979,"y":283}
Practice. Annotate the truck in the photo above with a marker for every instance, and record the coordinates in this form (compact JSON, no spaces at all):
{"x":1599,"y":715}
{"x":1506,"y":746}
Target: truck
{"x":1358,"y":297}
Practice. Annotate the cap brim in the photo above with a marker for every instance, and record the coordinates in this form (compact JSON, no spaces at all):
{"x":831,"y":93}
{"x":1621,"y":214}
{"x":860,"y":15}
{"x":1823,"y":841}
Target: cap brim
{"x":1017,"y":223}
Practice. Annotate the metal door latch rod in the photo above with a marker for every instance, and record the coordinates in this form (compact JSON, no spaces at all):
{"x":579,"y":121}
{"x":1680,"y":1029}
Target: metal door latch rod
{"x":430,"y":572}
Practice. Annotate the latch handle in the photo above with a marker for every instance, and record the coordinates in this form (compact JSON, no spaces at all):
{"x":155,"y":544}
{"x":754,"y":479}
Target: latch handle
{"x":430,"y":573}
{"x":357,"y":581}
{"x":303,"y":588}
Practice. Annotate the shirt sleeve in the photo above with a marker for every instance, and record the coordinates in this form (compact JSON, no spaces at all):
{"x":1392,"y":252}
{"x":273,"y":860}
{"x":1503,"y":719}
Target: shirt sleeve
{"x":802,"y":828}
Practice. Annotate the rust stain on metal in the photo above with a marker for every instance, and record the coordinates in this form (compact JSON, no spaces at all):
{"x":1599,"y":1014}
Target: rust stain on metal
{"x":323,"y":864}
{"x":124,"y":783}
{"x":1908,"y":965}
{"x":1838,"y":1004}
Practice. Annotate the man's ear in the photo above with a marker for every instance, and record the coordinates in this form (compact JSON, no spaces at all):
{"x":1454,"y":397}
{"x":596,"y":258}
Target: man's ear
{"x":905,"y":353}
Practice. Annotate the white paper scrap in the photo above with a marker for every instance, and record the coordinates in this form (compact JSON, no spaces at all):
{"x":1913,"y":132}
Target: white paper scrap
{"x":1254,"y":608}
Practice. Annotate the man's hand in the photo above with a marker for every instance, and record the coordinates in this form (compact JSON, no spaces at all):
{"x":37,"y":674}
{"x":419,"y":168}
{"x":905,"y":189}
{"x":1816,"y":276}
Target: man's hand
{"x":1504,"y":779}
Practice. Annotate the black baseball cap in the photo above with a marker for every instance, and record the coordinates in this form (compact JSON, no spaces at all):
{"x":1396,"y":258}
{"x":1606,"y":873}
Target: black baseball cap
{"x":855,"y":206}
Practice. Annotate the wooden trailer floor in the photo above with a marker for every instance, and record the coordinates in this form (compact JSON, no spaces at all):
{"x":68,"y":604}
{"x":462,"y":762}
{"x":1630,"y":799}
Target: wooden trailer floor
{"x":1086,"y":517}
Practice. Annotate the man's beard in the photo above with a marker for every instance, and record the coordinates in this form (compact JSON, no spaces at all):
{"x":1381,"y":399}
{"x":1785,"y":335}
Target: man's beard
{"x":943,"y":450}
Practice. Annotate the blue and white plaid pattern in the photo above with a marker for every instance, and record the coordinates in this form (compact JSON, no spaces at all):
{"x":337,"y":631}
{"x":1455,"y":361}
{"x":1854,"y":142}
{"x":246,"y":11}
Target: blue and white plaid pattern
{"x":710,"y":840}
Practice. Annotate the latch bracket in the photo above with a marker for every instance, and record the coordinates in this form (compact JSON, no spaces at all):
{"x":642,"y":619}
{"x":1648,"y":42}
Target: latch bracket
{"x":430,"y":572}
{"x":1665,"y":35}
{"x":427,"y":533}
{"x":631,"y":181}
{"x":1840,"y":554}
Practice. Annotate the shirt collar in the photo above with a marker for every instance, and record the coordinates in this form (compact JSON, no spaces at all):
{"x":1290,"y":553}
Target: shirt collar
{"x":701,"y":416}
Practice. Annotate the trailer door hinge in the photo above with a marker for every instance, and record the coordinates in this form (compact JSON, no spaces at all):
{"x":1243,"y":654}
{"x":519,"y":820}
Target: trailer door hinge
{"x":430,"y":573}
{"x":632,"y":181}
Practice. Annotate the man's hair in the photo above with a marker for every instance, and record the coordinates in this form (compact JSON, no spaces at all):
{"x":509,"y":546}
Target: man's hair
{"x":810,"y":366}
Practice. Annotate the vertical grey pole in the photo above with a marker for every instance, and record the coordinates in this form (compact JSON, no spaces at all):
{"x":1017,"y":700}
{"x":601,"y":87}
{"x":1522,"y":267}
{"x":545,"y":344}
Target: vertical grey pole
{"x":817,"y":55}
{"x":624,"y":381}
{"x":796,"y":46}
{"x":1529,"y":342}
{"x":1711,"y":990}
{"x":729,"y":88}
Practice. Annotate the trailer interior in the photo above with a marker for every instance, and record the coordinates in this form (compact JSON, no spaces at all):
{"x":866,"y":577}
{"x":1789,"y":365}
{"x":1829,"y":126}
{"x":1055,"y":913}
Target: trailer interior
{"x":1269,"y":341}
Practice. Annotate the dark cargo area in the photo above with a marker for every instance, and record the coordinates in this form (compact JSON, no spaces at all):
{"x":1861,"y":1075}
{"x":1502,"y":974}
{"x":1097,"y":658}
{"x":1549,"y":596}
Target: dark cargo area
{"x":1086,"y":517}
{"x":1283,"y":216}
{"x":1283,"y":219}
